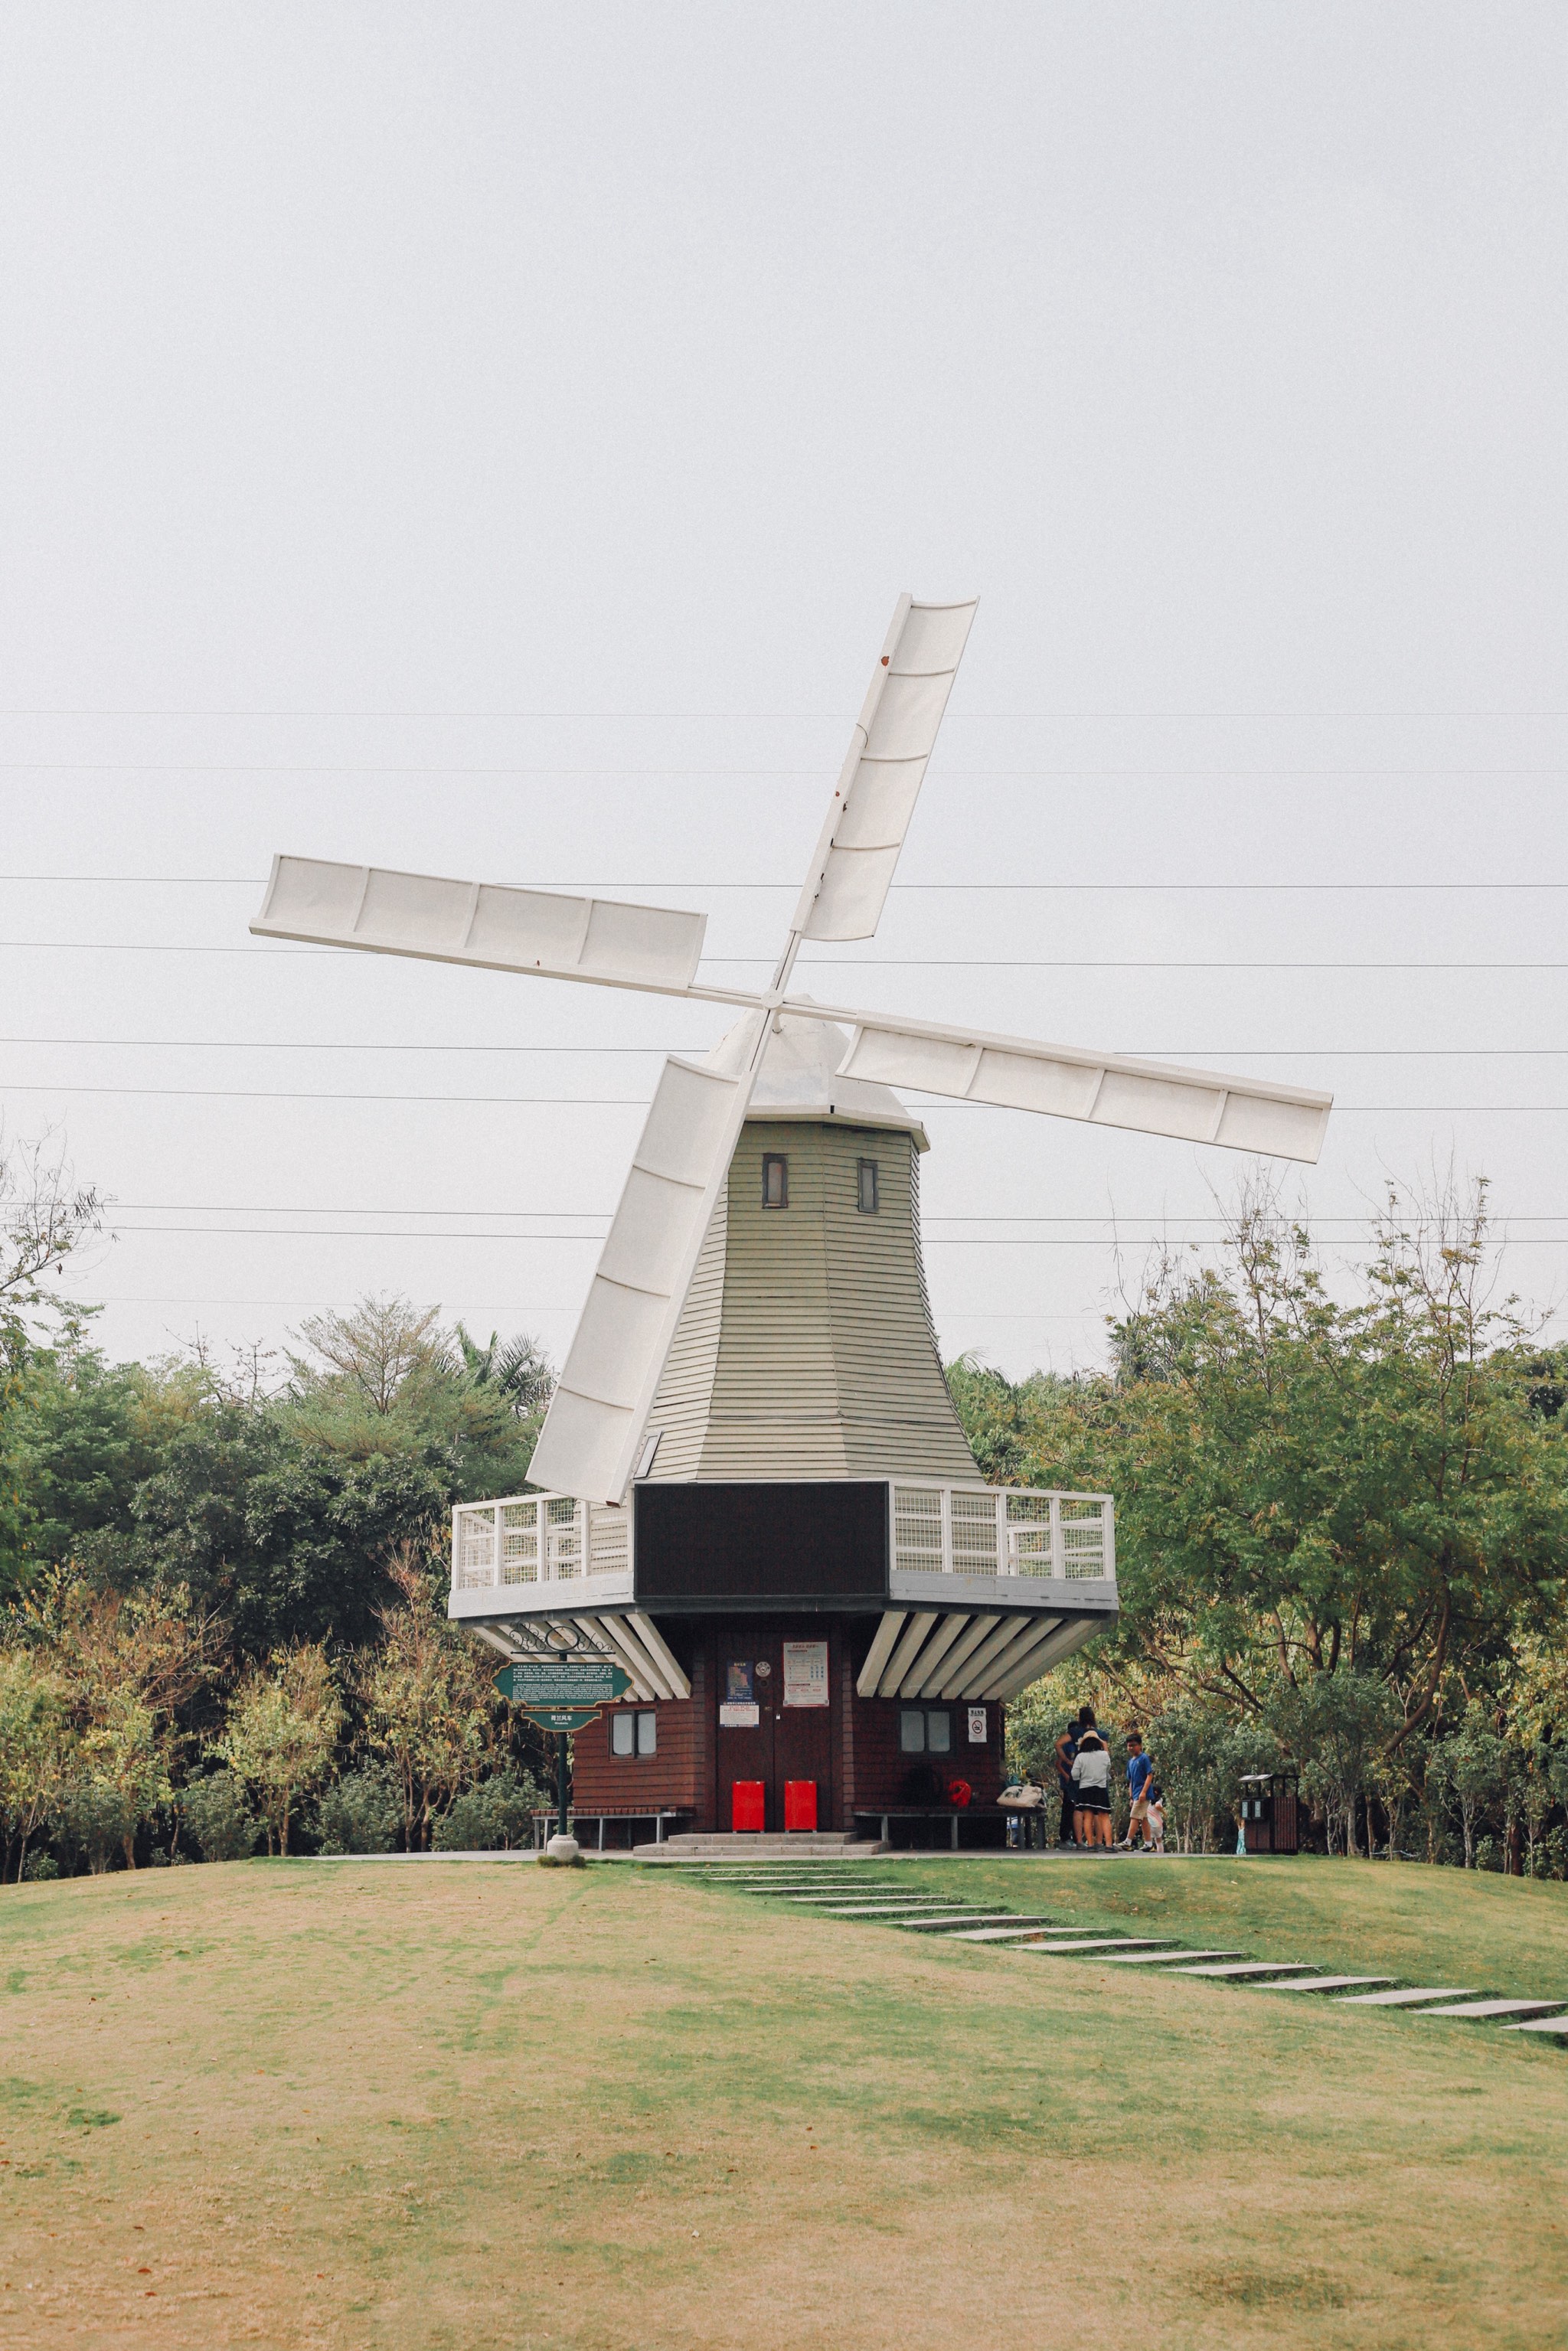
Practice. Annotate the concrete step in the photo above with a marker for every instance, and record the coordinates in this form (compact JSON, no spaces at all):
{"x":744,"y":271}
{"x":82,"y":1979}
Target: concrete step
{"x":802,"y":1844}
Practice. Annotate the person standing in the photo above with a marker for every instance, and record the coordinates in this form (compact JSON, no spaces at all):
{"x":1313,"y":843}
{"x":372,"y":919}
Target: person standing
{"x":1091,"y":1784}
{"x":1066,"y":1748}
{"x":1140,"y":1771}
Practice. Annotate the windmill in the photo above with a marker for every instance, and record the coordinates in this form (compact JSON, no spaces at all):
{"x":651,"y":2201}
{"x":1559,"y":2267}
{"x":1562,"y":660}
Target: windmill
{"x":609,"y":1455}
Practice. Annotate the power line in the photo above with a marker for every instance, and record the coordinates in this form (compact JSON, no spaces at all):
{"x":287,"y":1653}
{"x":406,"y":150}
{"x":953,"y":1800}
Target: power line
{"x":548,"y":1239}
{"x":1015,"y":889}
{"x":554,"y":767}
{"x":830,"y":963}
{"x":841,"y":718}
{"x":1142,"y":1217}
{"x":639,"y":1101}
{"x":653,"y":1052}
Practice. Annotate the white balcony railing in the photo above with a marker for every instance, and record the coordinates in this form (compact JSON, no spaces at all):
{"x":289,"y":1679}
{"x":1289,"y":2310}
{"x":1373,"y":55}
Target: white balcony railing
{"x":531,"y":1546}
{"x":1025,"y":1530}
{"x":527,"y":1552}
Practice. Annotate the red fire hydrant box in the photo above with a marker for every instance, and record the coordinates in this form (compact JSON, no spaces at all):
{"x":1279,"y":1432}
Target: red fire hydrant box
{"x":746,"y":1805}
{"x":799,"y":1805}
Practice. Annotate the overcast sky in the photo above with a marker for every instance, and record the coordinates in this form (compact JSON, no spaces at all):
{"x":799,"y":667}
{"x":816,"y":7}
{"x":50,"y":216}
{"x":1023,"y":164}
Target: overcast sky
{"x":491,"y":439}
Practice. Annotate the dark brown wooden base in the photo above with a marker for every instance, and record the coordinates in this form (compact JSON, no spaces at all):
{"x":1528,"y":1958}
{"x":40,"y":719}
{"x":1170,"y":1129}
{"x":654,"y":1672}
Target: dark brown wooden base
{"x":856,"y":1752}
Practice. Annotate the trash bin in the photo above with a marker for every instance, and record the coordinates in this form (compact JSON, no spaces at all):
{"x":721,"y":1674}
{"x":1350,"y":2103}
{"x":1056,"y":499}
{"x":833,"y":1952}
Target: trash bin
{"x":746,"y":1805}
{"x":799,"y":1805}
{"x":1269,"y":1805}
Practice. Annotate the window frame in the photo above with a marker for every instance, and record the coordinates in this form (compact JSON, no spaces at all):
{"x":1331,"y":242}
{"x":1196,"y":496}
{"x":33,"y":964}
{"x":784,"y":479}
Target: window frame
{"x":864,"y":1168}
{"x":779,"y":1160}
{"x":640,"y":1724}
{"x":925,"y":1716}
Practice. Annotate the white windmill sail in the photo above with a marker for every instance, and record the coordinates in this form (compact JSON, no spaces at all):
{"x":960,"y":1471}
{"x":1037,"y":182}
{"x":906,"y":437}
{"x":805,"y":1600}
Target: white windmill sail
{"x":853,"y":867}
{"x":424,"y":914}
{"x":593,"y":1429}
{"x":1285,"y":1121}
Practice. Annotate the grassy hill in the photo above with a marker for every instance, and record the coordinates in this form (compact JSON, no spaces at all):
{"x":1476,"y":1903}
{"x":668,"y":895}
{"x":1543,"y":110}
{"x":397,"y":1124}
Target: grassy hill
{"x":482,"y":2105}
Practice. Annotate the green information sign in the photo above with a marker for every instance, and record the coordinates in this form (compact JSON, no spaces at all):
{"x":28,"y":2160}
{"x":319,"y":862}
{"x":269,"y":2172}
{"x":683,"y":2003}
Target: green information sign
{"x":557,"y":1683}
{"x":563,"y":1718}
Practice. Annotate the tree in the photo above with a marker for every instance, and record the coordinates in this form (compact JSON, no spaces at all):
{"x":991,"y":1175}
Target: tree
{"x":430,"y":1701}
{"x":1336,"y":1724}
{"x":35,"y":1745}
{"x":1307,"y":1485}
{"x":130,"y":1664}
{"x":374,"y":1354}
{"x":519,"y":1370}
{"x":1471,"y":1764}
{"x":281,"y":1732}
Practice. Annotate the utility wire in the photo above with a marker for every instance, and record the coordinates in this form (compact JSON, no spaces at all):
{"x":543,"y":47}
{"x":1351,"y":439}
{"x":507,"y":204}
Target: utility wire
{"x":828,"y":963}
{"x":639,"y":1101}
{"x":1104,"y":889}
{"x":655,"y":1052}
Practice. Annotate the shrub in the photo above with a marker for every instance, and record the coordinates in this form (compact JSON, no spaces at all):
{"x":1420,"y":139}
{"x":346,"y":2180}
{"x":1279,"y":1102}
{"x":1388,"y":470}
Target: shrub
{"x":40,"y":1865}
{"x":492,"y":1817}
{"x":361,"y":1813}
{"x":218,"y":1815}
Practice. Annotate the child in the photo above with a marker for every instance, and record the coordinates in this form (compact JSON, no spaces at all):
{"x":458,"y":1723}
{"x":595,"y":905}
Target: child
{"x":1154,"y":1819}
{"x":1140,"y":1773}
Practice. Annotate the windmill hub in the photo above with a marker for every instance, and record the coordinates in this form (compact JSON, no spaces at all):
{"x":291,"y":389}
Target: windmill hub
{"x":756,"y":1496}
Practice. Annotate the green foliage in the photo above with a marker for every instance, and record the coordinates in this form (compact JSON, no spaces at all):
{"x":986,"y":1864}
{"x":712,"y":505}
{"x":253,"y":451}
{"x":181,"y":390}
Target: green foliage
{"x":217,"y":1811}
{"x":362,"y":1812}
{"x":496,"y":1815}
{"x":1341,"y":1516}
{"x":281,"y":1733}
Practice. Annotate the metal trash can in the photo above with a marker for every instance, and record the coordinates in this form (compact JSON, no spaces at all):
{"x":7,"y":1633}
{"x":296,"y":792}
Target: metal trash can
{"x":1269,"y":1810}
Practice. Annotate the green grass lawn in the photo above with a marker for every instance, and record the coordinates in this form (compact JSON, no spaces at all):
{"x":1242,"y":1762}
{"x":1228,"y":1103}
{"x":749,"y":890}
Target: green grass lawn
{"x":478,"y":2105}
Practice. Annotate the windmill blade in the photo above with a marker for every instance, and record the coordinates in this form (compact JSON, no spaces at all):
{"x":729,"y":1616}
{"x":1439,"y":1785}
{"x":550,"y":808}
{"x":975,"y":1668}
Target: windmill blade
{"x":881,"y":778}
{"x":1104,"y":1089}
{"x":593,"y":1430}
{"x":539,"y":930}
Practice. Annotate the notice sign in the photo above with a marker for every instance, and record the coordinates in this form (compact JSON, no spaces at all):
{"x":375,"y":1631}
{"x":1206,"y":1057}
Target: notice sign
{"x":805,"y":1673}
{"x":562,"y":1682}
{"x":738,"y":1714}
{"x":977,"y":1726}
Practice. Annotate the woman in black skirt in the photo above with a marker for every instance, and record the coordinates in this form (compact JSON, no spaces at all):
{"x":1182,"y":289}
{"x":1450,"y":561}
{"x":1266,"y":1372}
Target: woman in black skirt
{"x":1092,"y":1791}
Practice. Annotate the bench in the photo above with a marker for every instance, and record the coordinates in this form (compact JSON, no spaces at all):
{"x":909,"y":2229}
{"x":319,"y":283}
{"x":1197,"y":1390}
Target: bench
{"x":952,"y":1814}
{"x":544,"y":1823}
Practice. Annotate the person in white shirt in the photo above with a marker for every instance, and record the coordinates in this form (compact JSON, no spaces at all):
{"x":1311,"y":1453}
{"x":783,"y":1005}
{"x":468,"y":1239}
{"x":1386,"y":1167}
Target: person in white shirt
{"x":1092,"y":1791}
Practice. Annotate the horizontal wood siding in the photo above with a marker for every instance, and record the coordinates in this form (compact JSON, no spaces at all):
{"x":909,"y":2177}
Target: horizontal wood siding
{"x":806,"y":1348}
{"x":684,"y":1395}
{"x":601,"y":1781}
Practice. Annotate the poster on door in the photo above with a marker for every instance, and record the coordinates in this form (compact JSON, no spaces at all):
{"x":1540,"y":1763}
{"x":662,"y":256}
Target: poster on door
{"x":805,"y":1673}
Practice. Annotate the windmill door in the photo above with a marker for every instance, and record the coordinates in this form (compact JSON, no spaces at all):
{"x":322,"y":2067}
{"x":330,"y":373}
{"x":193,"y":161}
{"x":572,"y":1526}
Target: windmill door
{"x":773,"y":1739}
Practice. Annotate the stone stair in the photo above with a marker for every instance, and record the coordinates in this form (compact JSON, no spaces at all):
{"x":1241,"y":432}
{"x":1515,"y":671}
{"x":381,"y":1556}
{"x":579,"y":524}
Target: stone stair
{"x":803,"y":1844}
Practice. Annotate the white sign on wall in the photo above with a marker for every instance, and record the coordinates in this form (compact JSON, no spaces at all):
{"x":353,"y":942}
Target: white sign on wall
{"x":977,"y":1726}
{"x":805,"y":1673}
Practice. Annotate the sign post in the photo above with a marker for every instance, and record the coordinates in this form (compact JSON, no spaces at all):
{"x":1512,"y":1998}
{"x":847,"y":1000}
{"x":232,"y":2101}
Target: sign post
{"x":562,"y":1695}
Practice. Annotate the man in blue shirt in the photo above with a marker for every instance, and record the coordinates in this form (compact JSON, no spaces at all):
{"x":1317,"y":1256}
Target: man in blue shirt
{"x":1140,"y":1771}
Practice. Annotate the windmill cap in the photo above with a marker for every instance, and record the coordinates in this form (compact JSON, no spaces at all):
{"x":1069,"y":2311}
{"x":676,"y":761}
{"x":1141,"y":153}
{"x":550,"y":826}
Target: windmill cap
{"x":798,"y":1079}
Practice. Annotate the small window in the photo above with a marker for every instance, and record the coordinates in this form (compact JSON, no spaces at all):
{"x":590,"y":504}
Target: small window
{"x":866,"y":1199}
{"x":922,"y":1731}
{"x":633,"y":1734}
{"x":775,"y":1180}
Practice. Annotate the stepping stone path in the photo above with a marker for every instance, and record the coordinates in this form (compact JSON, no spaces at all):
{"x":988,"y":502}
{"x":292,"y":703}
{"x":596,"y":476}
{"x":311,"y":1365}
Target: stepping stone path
{"x":1483,"y":2008}
{"x":1238,"y":1970}
{"x":963,"y":1921}
{"x":1325,"y":1983}
{"x":1165,"y":1959}
{"x":1066,"y":1950}
{"x":1406,"y":1999}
